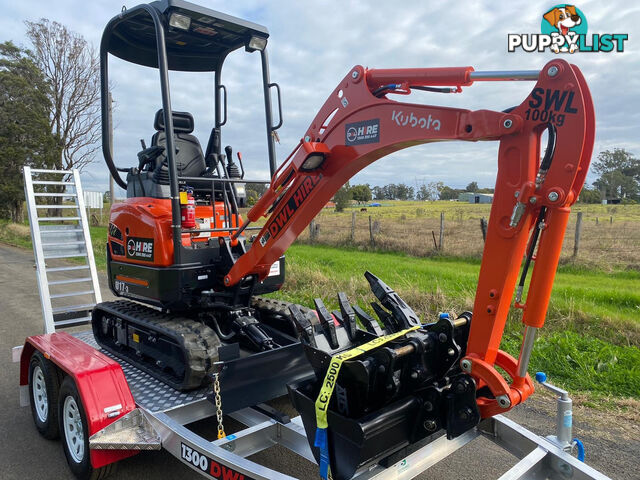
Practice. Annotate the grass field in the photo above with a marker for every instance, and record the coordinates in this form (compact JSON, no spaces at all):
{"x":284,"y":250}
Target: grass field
{"x":590,"y":343}
{"x":610,"y":238}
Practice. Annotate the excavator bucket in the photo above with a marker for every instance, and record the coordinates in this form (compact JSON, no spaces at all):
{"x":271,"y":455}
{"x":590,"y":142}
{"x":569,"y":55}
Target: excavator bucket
{"x":380,"y":391}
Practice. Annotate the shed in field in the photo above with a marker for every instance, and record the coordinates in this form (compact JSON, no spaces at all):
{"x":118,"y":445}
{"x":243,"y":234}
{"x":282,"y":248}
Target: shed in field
{"x":471,"y":197}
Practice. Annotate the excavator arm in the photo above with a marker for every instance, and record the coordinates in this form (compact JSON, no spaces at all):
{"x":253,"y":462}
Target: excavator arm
{"x":358,"y":124}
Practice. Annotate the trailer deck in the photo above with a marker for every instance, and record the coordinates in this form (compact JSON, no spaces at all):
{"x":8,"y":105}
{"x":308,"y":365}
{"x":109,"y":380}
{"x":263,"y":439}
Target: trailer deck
{"x":163,"y":415}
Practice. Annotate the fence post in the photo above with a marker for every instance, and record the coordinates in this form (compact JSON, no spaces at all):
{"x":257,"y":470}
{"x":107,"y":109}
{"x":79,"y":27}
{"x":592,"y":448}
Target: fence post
{"x":596,"y":220}
{"x":611,"y":220}
{"x":576,"y":243}
{"x":313,"y":231}
{"x":353,"y":227}
{"x":372,"y":240}
{"x":441,"y":242}
{"x":483,"y":227}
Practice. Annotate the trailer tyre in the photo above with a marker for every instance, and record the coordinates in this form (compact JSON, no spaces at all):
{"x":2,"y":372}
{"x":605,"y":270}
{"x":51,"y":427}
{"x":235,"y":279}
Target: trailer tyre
{"x":43,"y":392}
{"x":74,"y":433}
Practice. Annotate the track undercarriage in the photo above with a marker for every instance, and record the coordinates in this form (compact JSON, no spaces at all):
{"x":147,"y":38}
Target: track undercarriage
{"x":181,"y":351}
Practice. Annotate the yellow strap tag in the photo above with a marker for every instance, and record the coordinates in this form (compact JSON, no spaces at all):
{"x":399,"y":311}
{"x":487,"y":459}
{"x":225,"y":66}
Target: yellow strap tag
{"x":331,"y":377}
{"x":183,"y":198}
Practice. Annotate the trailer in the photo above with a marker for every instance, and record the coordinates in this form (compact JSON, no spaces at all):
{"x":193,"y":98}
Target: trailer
{"x":105,"y":409}
{"x":193,"y":338}
{"x":118,"y":411}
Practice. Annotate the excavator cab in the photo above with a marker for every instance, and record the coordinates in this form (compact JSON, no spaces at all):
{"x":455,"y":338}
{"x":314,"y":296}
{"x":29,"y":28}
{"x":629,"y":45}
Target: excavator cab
{"x":165,"y":244}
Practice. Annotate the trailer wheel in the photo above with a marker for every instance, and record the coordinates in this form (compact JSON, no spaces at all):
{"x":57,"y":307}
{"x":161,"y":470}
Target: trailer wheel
{"x":75,"y":434}
{"x":43,"y":392}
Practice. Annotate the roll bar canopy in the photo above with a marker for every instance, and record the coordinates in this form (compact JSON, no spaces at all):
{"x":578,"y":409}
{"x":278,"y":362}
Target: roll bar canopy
{"x":208,"y":38}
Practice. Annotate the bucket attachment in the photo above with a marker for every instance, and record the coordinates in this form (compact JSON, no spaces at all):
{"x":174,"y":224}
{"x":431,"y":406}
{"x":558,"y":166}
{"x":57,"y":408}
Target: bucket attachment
{"x":382,"y":393}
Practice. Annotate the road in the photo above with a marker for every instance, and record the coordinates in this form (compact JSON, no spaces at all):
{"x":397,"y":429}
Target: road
{"x":612,"y":444}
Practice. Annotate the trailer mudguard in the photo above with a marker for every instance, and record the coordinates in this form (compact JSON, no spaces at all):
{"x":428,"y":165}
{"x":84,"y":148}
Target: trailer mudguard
{"x":100,"y":380}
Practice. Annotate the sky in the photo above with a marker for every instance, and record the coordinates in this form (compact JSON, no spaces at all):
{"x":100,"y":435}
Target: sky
{"x":312,"y":45}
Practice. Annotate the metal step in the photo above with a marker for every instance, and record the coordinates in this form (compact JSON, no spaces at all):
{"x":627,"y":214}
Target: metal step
{"x":51,"y":182}
{"x":65,"y":255}
{"x":62,"y":244}
{"x":73,"y":322}
{"x":130,"y":432}
{"x":70,"y":294}
{"x":44,"y":170}
{"x":67,"y":269}
{"x":49,"y":229}
{"x":55,"y":195}
{"x":70,"y":280}
{"x":56,"y":219}
{"x":56,"y":206}
{"x":73,"y":308}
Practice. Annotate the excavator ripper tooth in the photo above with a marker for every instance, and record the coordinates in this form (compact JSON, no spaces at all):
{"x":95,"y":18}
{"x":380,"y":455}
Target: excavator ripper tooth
{"x":348,"y":317}
{"x":303,"y":325}
{"x":386,"y":318}
{"x":326,"y":320}
{"x":402,"y":313}
{"x":368,"y":321}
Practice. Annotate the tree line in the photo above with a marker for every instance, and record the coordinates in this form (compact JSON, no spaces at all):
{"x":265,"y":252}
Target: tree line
{"x":49,"y":107}
{"x":618,"y":181}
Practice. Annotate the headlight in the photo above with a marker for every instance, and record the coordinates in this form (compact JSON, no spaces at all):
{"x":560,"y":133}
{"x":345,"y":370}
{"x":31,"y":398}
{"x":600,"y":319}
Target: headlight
{"x":256,"y":43}
{"x":180,"y":21}
{"x":312,"y":162}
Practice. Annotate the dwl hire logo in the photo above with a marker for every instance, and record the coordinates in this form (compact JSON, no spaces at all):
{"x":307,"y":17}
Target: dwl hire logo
{"x":564,"y":30}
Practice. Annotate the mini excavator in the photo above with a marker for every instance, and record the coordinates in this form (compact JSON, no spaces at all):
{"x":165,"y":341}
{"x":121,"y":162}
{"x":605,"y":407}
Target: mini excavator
{"x":192,"y":281}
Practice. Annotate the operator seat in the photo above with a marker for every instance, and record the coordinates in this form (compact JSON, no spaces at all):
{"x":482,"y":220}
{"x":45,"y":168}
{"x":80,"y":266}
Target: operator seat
{"x":189,"y":157}
{"x":153,"y":181}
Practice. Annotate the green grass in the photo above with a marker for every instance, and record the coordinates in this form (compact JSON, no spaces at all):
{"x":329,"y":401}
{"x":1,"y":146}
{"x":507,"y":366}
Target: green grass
{"x":590,"y":340}
{"x":590,"y":343}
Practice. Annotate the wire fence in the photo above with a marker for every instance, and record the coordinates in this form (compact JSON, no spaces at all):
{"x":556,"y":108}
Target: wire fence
{"x":604,"y":240}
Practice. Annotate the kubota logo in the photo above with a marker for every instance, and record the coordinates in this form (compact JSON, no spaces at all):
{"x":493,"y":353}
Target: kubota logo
{"x":410,"y":120}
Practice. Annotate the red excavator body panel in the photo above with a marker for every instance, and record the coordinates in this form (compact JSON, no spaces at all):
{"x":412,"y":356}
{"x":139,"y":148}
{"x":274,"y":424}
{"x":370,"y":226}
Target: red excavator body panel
{"x":140,"y":230}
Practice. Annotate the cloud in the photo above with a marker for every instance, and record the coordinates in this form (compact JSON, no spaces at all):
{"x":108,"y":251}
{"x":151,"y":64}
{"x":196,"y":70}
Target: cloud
{"x":312,"y":46}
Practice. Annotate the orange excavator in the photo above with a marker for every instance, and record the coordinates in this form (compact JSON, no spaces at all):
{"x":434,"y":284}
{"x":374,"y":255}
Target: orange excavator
{"x":192,"y":279}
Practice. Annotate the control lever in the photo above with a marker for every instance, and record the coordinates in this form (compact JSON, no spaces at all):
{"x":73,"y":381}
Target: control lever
{"x":239,"y":155}
{"x":148,"y":155}
{"x":232,"y":169}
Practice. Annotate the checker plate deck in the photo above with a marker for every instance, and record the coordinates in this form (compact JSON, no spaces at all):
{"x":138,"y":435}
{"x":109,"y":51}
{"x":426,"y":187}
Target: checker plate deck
{"x":148,"y":392}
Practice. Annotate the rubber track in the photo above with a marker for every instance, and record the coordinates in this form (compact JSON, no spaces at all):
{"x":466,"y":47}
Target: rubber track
{"x":198,"y":342}
{"x":271,"y":306}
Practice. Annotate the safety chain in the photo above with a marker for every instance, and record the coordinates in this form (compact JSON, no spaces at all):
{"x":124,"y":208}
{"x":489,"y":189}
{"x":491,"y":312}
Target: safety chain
{"x":218,"y":401}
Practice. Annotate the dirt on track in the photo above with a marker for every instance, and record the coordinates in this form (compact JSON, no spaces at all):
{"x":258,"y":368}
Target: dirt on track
{"x":611,"y":439}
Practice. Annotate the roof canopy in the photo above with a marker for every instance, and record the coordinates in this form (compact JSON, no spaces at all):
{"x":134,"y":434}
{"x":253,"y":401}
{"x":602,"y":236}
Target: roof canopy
{"x":209,"y":37}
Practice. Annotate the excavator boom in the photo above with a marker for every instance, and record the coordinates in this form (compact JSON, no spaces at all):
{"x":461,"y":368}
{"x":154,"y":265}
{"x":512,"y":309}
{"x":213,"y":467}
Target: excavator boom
{"x":358,"y":124}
